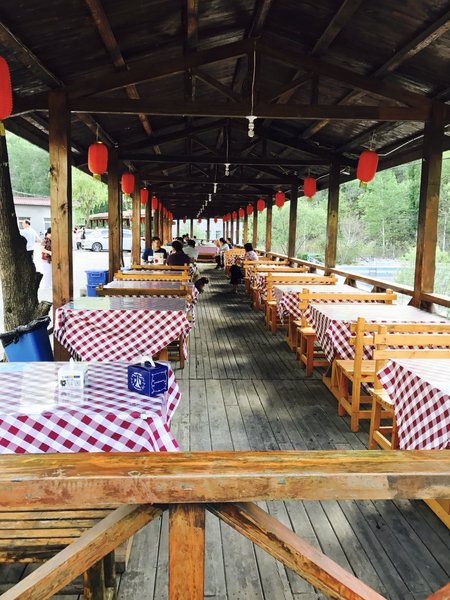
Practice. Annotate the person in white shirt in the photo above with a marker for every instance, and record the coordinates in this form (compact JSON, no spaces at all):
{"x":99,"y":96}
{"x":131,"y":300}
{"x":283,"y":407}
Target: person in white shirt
{"x":30,"y":235}
{"x":223,"y":246}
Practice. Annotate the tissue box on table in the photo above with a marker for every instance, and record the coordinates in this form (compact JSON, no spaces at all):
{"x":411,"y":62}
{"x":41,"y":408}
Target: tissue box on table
{"x":147,"y":379}
{"x":73,"y":376}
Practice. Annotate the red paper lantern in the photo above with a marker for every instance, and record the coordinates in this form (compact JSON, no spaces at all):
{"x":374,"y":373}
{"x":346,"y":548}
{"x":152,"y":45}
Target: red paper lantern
{"x":249,"y":209}
{"x":143,"y":195}
{"x":142,"y":219}
{"x":228,"y":217}
{"x":234,"y":215}
{"x":279,"y":199}
{"x":215,"y":219}
{"x":309,"y":187}
{"x":260,"y":205}
{"x":199,"y":220}
{"x":154,"y":203}
{"x":367,"y":167}
{"x":5,"y":90}
{"x":97,"y":159}
{"x":127,"y":183}
{"x":241,"y":213}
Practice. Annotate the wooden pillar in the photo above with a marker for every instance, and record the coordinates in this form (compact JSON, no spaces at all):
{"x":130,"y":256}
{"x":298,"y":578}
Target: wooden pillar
{"x":208,"y":229}
{"x":237,"y":229}
{"x":136,"y":224}
{"x":292,"y":239}
{"x":60,"y":204}
{"x":332,"y":215}
{"x":430,"y":185}
{"x":255,"y":226}
{"x":223,"y":228}
{"x":178,"y":227}
{"x":269,"y":224}
{"x":232,"y":236}
{"x":114,"y":220}
{"x":245,"y":232}
{"x":191,"y":231}
{"x":161,"y":225}
{"x":148,"y":224}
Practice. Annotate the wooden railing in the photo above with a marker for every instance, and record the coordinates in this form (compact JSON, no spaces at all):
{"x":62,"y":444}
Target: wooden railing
{"x":426,"y":299}
{"x":187,"y":484}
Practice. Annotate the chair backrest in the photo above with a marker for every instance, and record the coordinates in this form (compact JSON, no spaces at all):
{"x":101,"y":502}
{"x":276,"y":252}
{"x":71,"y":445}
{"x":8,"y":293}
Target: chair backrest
{"x":144,"y":276}
{"x":306,"y":296}
{"x":301,"y":278}
{"x":180,"y":268}
{"x":181,"y":291}
{"x":249,"y":266}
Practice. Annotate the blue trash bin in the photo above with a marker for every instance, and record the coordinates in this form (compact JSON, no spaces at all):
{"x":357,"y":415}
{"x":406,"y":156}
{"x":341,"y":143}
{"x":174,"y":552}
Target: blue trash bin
{"x":28,"y":343}
{"x":91,"y":290}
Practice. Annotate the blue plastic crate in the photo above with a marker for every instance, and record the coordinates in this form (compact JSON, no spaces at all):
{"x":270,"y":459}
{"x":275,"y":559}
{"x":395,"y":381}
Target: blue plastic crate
{"x":96,"y":278}
{"x":91,"y":290}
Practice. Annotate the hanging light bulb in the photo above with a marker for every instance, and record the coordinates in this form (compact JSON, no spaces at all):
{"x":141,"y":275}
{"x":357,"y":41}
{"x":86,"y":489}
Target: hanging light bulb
{"x":215,"y":188}
{"x":251,"y":126}
{"x":209,"y":197}
{"x":227,"y":169}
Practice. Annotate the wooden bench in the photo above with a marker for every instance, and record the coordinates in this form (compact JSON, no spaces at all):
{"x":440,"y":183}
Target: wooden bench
{"x":274,"y":279}
{"x":358,"y":371}
{"x":307,"y":353}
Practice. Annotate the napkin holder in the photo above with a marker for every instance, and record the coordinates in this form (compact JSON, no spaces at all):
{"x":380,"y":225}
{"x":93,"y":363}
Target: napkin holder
{"x":73,"y":376}
{"x":158,"y":258}
{"x":148,"y":378}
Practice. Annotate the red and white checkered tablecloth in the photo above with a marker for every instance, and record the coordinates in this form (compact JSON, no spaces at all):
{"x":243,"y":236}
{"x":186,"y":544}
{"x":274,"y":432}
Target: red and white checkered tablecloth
{"x":120,"y":327}
{"x":233,"y":259}
{"x":420,"y":390}
{"x":332,"y":323}
{"x":38,"y":417}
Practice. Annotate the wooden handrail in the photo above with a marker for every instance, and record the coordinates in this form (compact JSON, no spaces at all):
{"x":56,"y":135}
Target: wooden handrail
{"x":95,"y":480}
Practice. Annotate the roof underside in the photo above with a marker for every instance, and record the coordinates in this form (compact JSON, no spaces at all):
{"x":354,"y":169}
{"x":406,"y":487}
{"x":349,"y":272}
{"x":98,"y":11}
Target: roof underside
{"x":133,"y":69}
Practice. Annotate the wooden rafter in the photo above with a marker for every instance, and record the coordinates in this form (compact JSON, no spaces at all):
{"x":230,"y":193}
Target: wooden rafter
{"x":219,"y":160}
{"x":189,"y":20}
{"x":410,"y":49}
{"x":216,"y":85}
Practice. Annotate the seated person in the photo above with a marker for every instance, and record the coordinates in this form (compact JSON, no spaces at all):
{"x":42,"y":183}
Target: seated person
{"x":230,"y":243}
{"x":191,"y":250}
{"x":156,"y":247}
{"x":222,"y":247}
{"x":250,"y":254}
{"x":177,"y":258}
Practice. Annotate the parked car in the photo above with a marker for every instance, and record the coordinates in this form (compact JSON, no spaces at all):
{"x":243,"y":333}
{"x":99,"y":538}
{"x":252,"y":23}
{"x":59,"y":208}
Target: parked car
{"x":98,"y":240}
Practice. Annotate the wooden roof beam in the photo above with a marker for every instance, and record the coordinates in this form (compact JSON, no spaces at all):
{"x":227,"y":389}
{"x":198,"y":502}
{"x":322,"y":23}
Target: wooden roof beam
{"x":216,"y":85}
{"x":244,"y":180}
{"x":189,"y":19}
{"x":209,"y":159}
{"x":335,"y":26}
{"x":418,"y":43}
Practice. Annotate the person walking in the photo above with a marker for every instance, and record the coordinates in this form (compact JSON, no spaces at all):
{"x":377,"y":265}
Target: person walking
{"x":30,"y":235}
{"x":46,"y":255}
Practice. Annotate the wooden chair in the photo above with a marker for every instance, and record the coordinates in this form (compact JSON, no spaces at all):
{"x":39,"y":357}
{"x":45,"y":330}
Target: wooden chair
{"x":307,"y":353}
{"x":273,"y":279}
{"x":385,"y":436}
{"x":181,"y":291}
{"x":144,"y":276}
{"x":249,"y":267}
{"x":273,"y":268}
{"x":359,"y":371}
{"x":175,"y":268}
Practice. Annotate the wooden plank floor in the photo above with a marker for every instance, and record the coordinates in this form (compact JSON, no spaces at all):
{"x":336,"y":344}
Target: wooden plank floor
{"x":242,"y":389}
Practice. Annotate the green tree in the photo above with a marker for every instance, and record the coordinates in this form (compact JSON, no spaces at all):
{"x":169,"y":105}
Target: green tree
{"x":88,"y":195}
{"x":28,"y":167}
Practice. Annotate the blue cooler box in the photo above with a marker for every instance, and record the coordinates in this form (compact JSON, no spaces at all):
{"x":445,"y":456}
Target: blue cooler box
{"x":28,"y":343}
{"x":95,"y":278}
{"x":147,"y":380}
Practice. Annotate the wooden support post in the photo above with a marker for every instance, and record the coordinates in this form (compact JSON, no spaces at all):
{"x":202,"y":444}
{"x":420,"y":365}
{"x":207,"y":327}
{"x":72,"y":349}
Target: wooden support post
{"x":332,"y":215}
{"x":245,"y":231}
{"x":178,"y":227}
{"x":223,"y":229}
{"x":186,"y":552}
{"x":60,"y":204}
{"x":161,"y":226}
{"x":191,"y":230}
{"x":136,"y":225}
{"x":292,"y":239}
{"x":208,"y":229}
{"x":114,"y":220}
{"x":94,"y":582}
{"x":255,"y":226}
{"x":232,"y":231}
{"x":269,"y":224}
{"x":429,"y":203}
{"x":148,"y":224}
{"x":237,"y":230}
{"x":227,"y":229}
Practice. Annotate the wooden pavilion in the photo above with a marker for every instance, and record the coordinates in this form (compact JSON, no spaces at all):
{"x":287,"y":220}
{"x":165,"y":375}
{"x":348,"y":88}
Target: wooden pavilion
{"x":170,"y":87}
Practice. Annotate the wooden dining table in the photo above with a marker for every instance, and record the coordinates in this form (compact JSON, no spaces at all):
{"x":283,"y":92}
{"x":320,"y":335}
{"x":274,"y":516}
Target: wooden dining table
{"x":121,"y":327}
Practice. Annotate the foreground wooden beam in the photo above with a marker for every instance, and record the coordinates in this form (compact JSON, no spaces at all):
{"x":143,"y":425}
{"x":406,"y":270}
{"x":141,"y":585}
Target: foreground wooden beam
{"x":93,"y":480}
{"x":83,"y":553}
{"x":284,"y":545}
{"x":60,"y":204}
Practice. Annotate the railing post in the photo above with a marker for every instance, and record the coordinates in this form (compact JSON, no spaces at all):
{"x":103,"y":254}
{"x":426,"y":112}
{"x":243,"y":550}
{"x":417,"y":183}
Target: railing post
{"x":114,"y":221}
{"x":293,"y":221}
{"x":332,"y":216}
{"x":186,"y":552}
{"x":430,"y":184}
{"x":269,"y":225}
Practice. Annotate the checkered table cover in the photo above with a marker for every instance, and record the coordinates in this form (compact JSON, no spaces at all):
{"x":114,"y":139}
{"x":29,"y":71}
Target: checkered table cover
{"x":332,"y":323}
{"x":420,"y":390}
{"x":38,"y":417}
{"x":286,"y":297}
{"x":122,"y":328}
{"x":233,"y":259}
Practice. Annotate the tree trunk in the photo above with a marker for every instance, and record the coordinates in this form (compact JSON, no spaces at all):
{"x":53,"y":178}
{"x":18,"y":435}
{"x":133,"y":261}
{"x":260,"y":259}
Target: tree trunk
{"x":18,"y":275}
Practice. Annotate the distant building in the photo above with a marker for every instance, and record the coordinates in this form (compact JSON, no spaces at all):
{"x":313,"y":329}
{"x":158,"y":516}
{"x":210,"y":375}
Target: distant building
{"x":36,"y":210}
